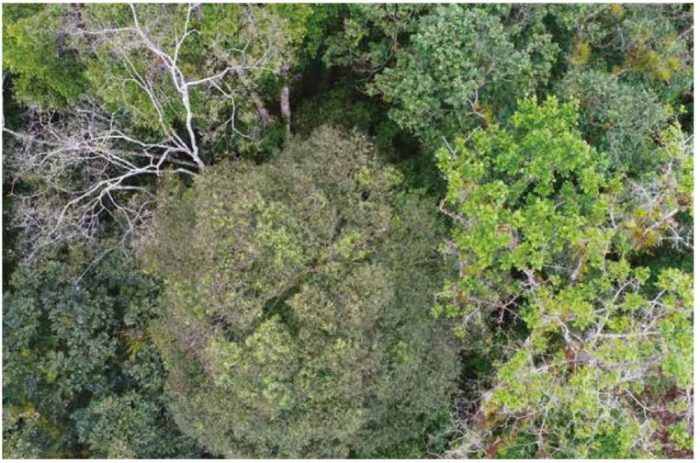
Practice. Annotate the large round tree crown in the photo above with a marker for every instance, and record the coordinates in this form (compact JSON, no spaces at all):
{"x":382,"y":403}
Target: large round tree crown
{"x":298,"y":296}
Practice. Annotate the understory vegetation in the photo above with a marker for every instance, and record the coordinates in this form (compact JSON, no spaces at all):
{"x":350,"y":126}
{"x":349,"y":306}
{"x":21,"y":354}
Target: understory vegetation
{"x":362,"y":230}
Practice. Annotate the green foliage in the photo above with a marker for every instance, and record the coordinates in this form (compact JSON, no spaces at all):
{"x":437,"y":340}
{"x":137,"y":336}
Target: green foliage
{"x":257,"y":38}
{"x":649,"y":44}
{"x":371,"y":35}
{"x":296,"y":295}
{"x":619,"y":118}
{"x":547,"y":231}
{"x":64,"y":347}
{"x":128,"y":426}
{"x":45,"y":71}
{"x":463,"y":66}
{"x":526,"y":195}
{"x":353,"y":110}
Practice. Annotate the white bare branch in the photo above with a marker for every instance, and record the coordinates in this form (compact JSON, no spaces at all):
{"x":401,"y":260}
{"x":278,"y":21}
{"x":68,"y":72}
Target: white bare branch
{"x":92,"y":164}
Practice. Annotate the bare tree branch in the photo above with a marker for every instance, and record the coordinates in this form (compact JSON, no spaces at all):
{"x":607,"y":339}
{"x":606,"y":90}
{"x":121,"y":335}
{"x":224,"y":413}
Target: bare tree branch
{"x":92,"y":164}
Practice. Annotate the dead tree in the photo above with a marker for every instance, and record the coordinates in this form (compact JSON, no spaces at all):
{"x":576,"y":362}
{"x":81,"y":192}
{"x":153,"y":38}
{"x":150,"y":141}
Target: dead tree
{"x":91,"y":163}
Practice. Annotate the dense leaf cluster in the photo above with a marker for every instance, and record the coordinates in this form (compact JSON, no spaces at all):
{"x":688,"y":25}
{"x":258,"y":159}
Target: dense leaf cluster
{"x":548,"y":230}
{"x":79,"y":375}
{"x":296,"y":295}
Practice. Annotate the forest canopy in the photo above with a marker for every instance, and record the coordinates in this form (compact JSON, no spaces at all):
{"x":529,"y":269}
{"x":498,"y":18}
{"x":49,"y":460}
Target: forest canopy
{"x":347,"y":230}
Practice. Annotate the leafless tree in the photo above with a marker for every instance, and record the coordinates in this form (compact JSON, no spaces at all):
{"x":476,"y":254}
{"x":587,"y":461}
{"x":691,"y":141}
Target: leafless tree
{"x":90,"y":164}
